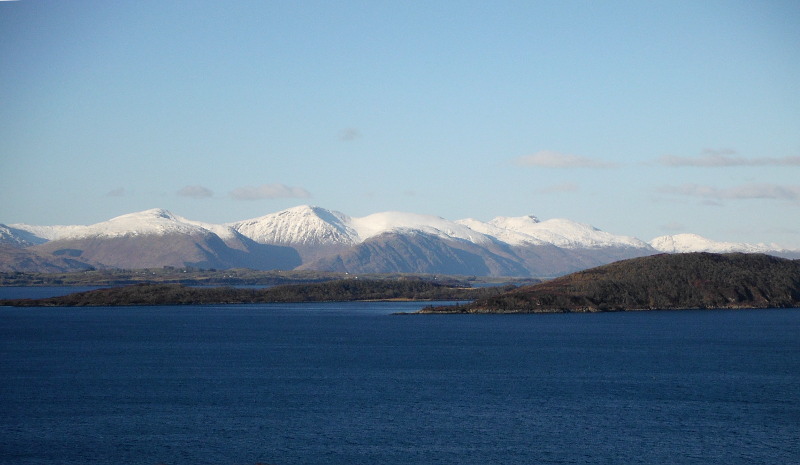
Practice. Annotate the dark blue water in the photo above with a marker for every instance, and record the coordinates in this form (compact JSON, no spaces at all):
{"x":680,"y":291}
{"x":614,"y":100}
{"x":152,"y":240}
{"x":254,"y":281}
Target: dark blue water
{"x":40,"y":292}
{"x":350,"y":384}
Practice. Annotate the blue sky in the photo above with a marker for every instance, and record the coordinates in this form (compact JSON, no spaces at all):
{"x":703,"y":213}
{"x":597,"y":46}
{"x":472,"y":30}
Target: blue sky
{"x":641,"y":118}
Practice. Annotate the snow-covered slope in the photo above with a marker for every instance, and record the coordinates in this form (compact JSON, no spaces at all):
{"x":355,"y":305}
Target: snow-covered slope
{"x":19,"y":238}
{"x":308,"y":225}
{"x":563,"y":233}
{"x":379,"y":223}
{"x":682,"y":243}
{"x":48,"y":233}
{"x":225,"y":232}
{"x":501,"y":234}
{"x":157,"y":237}
{"x":155,"y":221}
{"x":308,"y":236}
{"x":303,"y":225}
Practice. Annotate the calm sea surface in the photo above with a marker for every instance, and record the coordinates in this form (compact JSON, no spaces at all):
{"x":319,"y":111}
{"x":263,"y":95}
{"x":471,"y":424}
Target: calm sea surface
{"x":348,"y":383}
{"x":40,"y":292}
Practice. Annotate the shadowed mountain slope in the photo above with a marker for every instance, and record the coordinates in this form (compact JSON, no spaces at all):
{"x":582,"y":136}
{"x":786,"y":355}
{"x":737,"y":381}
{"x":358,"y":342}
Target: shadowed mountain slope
{"x":14,"y":259}
{"x":205,"y":250}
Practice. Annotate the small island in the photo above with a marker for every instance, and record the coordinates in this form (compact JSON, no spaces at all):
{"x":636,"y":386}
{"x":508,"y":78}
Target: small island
{"x":665,"y":281}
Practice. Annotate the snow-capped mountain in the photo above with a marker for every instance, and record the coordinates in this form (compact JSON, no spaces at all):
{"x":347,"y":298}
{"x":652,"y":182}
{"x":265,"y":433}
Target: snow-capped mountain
{"x":316,"y":238}
{"x":156,"y":221}
{"x":306,"y":225}
{"x":156,"y":238}
{"x":19,"y":238}
{"x":559,"y":232}
{"x":400,"y":222}
{"x":682,"y":243}
{"x":47,"y":233}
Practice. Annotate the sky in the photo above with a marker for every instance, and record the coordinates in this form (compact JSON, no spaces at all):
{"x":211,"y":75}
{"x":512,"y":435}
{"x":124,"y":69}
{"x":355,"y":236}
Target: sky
{"x":641,"y":118}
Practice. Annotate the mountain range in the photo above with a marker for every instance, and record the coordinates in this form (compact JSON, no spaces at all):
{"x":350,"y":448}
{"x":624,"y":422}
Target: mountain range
{"x":314,"y":238}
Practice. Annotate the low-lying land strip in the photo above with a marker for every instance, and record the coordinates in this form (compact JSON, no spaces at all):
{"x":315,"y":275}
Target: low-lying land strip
{"x":193,"y":276}
{"x":667,"y":281}
{"x":338,"y":290}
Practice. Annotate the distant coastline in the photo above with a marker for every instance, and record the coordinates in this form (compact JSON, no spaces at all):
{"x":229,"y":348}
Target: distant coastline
{"x":143,"y":294}
{"x":666,"y":281}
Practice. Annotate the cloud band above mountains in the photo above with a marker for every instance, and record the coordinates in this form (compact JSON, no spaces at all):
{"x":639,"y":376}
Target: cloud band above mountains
{"x":746,"y":191}
{"x":196,"y":192}
{"x":269,"y":191}
{"x":553,"y":159}
{"x":724,"y":158}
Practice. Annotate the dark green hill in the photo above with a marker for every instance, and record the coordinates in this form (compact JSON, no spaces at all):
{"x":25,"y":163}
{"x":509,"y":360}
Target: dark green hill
{"x":677,"y":281}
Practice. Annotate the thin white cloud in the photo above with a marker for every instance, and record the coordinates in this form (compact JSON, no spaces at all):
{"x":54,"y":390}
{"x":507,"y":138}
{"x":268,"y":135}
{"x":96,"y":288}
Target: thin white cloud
{"x":269,"y":191}
{"x":558,"y":188}
{"x":118,"y":192}
{"x":726,"y":157}
{"x":719,"y":151}
{"x":553,"y":159}
{"x":673,"y":226}
{"x":743,"y":192}
{"x":349,"y":134}
{"x":779,"y":230}
{"x":195,"y":192}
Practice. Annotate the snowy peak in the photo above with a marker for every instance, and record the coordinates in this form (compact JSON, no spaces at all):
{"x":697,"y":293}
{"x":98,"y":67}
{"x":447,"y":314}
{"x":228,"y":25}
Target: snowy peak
{"x":379,"y":223}
{"x":307,"y":225}
{"x":153,"y":213}
{"x":303,"y":225}
{"x":570,"y":234}
{"x":682,"y":243}
{"x":500,"y":233}
{"x":515,"y":222}
{"x":154,"y":221}
{"x":559,"y":232}
{"x":152,"y":216}
{"x":314,"y":233}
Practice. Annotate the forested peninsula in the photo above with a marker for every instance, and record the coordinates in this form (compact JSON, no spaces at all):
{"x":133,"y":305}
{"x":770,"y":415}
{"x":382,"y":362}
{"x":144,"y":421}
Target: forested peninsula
{"x":339,"y":290}
{"x":666,"y":281}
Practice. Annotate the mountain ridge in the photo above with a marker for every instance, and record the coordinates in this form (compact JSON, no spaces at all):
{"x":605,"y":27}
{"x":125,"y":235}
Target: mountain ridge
{"x":311,"y":237}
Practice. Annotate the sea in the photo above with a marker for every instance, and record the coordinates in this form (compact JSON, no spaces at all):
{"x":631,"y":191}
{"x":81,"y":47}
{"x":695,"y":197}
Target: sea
{"x":356,"y":383}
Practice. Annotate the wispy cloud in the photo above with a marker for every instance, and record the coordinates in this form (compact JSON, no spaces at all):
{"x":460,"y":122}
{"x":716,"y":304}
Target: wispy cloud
{"x":558,"y":188}
{"x":349,"y":134}
{"x":269,"y":191}
{"x":196,"y":192}
{"x":552,"y":159}
{"x":779,"y":230}
{"x":743,"y":192}
{"x":673,"y":226}
{"x":118,"y":192}
{"x":726,"y":157}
